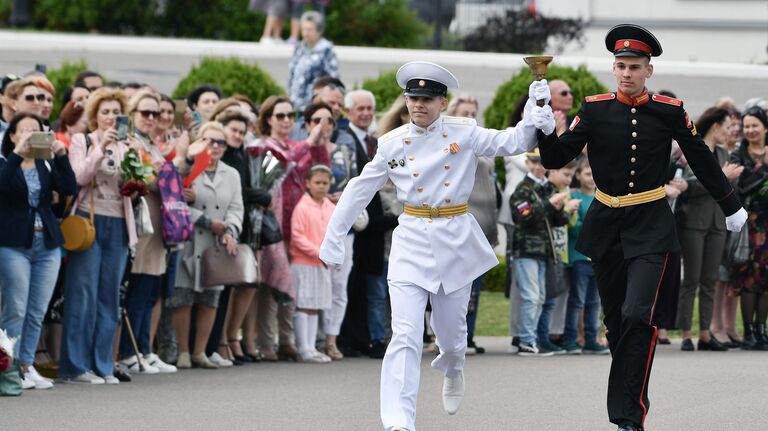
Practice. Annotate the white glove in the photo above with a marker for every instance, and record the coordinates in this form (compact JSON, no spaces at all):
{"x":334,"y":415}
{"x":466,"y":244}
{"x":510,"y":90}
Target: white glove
{"x":361,"y":222}
{"x":735,"y":221}
{"x":539,"y":90}
{"x":543,"y":119}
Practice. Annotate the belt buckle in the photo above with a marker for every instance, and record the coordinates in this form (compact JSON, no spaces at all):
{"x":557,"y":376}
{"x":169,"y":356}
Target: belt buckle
{"x":615,"y":202}
{"x":434,"y":212}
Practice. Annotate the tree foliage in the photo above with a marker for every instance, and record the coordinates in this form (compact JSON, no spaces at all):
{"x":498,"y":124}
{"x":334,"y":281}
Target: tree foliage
{"x":387,"y":23}
{"x":61,"y":78}
{"x":233,"y":76}
{"x":104,"y":16}
{"x":521,"y":31}
{"x":384,"y":88}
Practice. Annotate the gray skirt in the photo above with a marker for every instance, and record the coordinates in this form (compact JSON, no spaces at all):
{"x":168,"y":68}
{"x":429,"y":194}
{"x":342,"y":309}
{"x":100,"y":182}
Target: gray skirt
{"x":278,"y":8}
{"x":312,"y":285}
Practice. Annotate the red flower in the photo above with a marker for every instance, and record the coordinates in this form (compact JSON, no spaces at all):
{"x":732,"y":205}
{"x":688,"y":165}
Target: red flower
{"x":5,"y":361}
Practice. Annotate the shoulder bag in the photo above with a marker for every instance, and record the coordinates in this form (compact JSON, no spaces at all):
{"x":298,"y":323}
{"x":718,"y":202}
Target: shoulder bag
{"x":217,"y":267}
{"x":78,"y":231}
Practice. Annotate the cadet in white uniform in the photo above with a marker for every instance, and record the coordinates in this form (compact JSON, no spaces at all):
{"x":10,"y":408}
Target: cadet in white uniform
{"x":438,"y":247}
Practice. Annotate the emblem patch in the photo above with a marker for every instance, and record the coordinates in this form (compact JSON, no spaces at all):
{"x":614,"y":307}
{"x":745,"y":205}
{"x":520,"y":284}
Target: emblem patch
{"x":574,"y":123}
{"x":392,"y":164}
{"x":454,"y":148}
{"x":524,"y":208}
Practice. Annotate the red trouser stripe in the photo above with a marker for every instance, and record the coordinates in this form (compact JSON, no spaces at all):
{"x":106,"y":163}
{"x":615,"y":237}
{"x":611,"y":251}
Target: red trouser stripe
{"x":653,"y":339}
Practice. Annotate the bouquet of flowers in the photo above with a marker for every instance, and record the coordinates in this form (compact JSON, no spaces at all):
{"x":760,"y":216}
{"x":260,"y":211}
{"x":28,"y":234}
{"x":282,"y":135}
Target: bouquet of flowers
{"x":6,"y":350}
{"x":137,"y":174}
{"x":268,"y":167}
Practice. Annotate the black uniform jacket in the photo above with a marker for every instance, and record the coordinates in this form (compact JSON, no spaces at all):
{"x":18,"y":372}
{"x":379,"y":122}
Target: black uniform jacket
{"x":629,"y":149}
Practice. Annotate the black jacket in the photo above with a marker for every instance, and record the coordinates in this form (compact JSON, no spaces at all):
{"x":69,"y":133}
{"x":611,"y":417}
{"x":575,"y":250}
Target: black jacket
{"x":17,"y":218}
{"x":629,"y":150}
{"x":252,"y":196}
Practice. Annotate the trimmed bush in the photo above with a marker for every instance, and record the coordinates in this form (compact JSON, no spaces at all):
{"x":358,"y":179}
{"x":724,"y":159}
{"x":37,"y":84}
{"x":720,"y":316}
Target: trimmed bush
{"x":387,"y":23}
{"x":385,"y":89}
{"x":233,"y":76}
{"x":104,"y":16}
{"x":495,"y":279}
{"x":496,"y":116}
{"x":210,"y":19}
{"x":62,"y":78}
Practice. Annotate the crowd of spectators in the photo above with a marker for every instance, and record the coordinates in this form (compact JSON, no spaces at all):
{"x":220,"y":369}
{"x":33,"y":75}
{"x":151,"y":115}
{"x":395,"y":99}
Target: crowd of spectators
{"x":133,"y":303}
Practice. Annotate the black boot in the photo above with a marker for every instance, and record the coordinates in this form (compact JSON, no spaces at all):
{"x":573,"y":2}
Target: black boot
{"x":760,"y":337}
{"x":749,"y":342}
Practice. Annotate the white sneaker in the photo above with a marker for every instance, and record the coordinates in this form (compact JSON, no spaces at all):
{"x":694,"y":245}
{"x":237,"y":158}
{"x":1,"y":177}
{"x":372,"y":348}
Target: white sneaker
{"x":453,"y":393}
{"x":111,"y":380}
{"x":471,"y":351}
{"x":27,"y":383}
{"x":132,"y":363}
{"x":218,"y":360}
{"x":155,"y":361}
{"x":85,"y":378}
{"x":39,"y":381}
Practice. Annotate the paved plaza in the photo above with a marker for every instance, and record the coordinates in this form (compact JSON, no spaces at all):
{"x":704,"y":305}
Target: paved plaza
{"x":689,"y":391}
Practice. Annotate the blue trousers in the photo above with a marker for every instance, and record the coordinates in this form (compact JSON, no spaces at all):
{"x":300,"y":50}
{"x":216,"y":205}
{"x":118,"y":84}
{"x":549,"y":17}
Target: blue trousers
{"x":27,"y":279}
{"x":377,"y":305}
{"x":92,"y":302}
{"x":143,"y":292}
{"x":531,"y":280}
{"x":585,"y":296}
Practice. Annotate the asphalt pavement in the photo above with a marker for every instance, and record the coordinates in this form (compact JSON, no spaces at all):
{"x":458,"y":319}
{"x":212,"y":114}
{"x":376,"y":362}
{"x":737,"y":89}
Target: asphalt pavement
{"x":689,"y":391}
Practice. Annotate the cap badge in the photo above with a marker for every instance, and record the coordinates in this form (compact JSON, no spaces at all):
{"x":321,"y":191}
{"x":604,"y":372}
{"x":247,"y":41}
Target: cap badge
{"x":626,"y":44}
{"x":422,"y":83}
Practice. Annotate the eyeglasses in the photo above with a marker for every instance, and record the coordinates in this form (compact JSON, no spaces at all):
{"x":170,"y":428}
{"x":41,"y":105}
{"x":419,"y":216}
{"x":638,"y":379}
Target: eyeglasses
{"x":147,"y":114}
{"x":566,"y":93}
{"x":32,"y":97}
{"x":317,"y":120}
{"x":283,"y":115}
{"x":216,"y":142}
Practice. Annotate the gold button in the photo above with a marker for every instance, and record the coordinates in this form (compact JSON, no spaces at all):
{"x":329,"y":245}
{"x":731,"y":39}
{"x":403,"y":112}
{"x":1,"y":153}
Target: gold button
{"x":615,"y":202}
{"x":434,"y":212}
{"x":634,"y":121}
{"x":633,"y":110}
{"x":415,"y":174}
{"x":425,"y":205}
{"x":445,"y":134}
{"x":411,"y":158}
{"x":407,"y":142}
{"x":634,"y":134}
{"x":634,"y":147}
{"x":631,"y":184}
{"x":447,"y":183}
{"x":420,"y":189}
{"x":632,"y":160}
{"x":631,"y":172}
{"x":429,"y":220}
{"x":447,"y":167}
{"x":447,"y":200}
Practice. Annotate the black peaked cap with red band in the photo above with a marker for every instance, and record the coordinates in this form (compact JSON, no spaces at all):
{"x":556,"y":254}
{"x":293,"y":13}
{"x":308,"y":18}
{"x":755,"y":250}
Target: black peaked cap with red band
{"x":630,"y":40}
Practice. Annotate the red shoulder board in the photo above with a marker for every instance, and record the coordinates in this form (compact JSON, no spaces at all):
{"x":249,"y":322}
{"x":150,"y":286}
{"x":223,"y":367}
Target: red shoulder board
{"x":667,"y":100}
{"x":600,"y":97}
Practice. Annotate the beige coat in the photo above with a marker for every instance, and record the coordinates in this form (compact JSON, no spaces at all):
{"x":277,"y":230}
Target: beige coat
{"x":220,"y":199}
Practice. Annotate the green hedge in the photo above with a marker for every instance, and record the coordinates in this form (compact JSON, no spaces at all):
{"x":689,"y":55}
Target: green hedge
{"x":233,"y":76}
{"x":387,"y":23}
{"x":582,"y":83}
{"x":496,"y":278}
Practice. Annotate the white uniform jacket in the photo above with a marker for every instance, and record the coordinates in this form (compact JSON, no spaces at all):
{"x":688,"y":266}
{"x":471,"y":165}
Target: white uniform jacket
{"x":427,"y":172}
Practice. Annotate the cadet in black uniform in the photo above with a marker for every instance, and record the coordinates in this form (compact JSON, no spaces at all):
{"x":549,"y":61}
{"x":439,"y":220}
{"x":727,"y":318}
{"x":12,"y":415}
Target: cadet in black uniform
{"x":629,"y":230}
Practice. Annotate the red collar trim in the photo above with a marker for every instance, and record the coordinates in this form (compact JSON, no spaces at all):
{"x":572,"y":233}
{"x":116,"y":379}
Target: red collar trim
{"x":633,"y":101}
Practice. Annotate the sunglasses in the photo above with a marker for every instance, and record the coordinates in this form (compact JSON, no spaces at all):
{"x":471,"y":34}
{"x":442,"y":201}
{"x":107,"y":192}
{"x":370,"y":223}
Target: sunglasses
{"x":216,"y":142}
{"x":283,"y":115}
{"x":566,"y":93}
{"x":317,"y":120}
{"x":147,"y":114}
{"x":33,"y":97}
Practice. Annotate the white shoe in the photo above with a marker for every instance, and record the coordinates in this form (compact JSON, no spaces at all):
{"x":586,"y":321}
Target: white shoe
{"x":39,"y":381}
{"x":453,"y":393}
{"x":218,"y":360}
{"x":132,"y":363}
{"x":85,"y":378}
{"x":155,"y":361}
{"x":111,"y":380}
{"x":471,"y":351}
{"x":27,"y":383}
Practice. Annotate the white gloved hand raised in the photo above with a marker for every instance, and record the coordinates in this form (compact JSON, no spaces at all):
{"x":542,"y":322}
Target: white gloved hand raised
{"x":539,"y":90}
{"x":735,"y":221}
{"x":543,"y":119}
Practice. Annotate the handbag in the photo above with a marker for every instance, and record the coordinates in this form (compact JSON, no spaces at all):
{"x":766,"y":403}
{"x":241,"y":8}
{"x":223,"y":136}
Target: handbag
{"x":217,"y":267}
{"x":78,"y":231}
{"x":265,"y":228}
{"x":10,"y":380}
{"x":737,"y":248}
{"x":142,"y":218}
{"x":556,"y":280}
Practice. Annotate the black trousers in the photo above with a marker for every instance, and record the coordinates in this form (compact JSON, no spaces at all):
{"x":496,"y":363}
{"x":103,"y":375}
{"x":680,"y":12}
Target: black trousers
{"x":629,"y":289}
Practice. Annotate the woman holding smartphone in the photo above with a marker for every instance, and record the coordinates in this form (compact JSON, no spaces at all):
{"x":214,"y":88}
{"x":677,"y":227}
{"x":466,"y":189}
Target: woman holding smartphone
{"x":29,"y":236}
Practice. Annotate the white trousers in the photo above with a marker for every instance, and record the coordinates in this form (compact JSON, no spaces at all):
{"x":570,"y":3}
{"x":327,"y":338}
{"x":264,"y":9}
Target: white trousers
{"x":334,"y":316}
{"x":402,"y":362}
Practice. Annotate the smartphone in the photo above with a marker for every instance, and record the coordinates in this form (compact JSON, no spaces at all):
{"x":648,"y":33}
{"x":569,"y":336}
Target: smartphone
{"x":122,"y":124}
{"x":180,"y":108}
{"x":41,"y":145}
